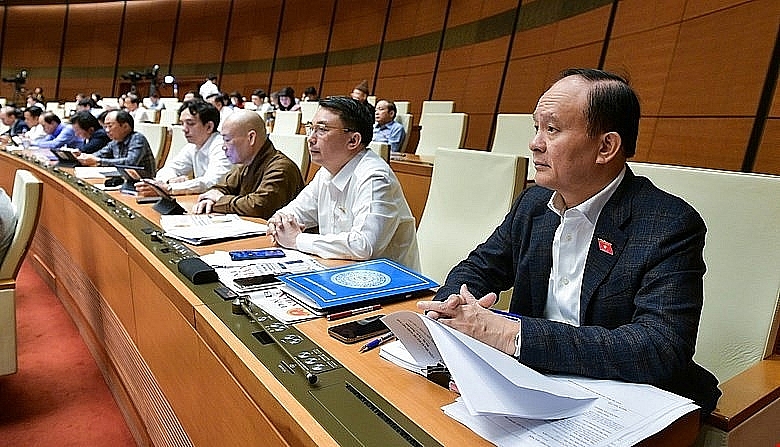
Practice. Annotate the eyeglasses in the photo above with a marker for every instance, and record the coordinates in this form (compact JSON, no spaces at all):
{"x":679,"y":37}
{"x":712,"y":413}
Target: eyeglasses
{"x":319,"y":130}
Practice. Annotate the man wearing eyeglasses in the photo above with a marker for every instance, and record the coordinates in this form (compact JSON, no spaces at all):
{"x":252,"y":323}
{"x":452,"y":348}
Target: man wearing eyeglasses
{"x":263,"y":180}
{"x":355,"y":200}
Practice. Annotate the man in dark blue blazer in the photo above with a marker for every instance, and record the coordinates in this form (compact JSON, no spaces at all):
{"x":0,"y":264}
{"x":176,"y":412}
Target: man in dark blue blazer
{"x":606,"y":268}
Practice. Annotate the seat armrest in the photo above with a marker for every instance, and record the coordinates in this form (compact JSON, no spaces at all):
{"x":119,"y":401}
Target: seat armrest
{"x":7,"y":284}
{"x":747,"y":393}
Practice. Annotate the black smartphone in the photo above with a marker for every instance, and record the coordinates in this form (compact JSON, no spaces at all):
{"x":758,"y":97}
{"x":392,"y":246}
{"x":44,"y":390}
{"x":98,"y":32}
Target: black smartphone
{"x":264,"y":253}
{"x":254,"y":281}
{"x":355,"y":331}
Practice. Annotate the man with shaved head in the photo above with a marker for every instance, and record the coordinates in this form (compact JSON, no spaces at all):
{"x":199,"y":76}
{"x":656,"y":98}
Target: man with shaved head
{"x":263,"y":179}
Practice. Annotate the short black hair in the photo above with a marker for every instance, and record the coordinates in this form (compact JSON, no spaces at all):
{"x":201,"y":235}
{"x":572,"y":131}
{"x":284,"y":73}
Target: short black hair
{"x":613,"y":106}
{"x":260,"y":93}
{"x":355,"y":115}
{"x":85,"y":120}
{"x":204,"y":110}
{"x":34,"y":110}
{"x":51,"y":117}
{"x":123,"y":116}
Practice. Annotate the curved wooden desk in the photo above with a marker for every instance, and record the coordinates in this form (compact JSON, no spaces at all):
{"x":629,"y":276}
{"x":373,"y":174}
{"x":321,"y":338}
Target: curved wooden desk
{"x":179,"y":365}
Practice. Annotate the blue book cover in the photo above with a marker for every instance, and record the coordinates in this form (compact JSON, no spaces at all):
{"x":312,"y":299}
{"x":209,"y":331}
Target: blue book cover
{"x":356,"y":283}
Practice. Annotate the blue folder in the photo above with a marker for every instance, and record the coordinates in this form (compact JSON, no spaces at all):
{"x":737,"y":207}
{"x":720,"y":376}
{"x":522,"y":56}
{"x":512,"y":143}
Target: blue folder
{"x":364,"y":282}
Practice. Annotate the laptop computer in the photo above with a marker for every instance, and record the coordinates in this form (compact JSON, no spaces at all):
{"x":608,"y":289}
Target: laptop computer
{"x":131,"y":175}
{"x":66,"y":158}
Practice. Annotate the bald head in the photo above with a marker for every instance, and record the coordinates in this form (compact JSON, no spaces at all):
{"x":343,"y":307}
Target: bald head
{"x":244,"y":134}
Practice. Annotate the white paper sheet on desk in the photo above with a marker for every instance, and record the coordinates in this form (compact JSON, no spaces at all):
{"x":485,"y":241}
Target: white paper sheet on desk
{"x":490,"y":382}
{"x":228,"y":270}
{"x":281,"y":305}
{"x":624,"y":414}
{"x":198,"y":228}
{"x":87,"y":172}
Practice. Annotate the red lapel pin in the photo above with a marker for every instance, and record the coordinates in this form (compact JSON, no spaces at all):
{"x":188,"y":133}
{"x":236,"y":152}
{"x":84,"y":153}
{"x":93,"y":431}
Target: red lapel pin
{"x":605,"y":246}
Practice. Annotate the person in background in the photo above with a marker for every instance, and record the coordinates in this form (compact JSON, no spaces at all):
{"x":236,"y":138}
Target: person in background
{"x":32,"y":117}
{"x":360,"y":94}
{"x":220,"y":101}
{"x":310,"y":94}
{"x":209,"y":87}
{"x":9,"y":115}
{"x":133,"y":105}
{"x":127,"y":147}
{"x":287,"y":100}
{"x":190,"y":95}
{"x":58,"y":134}
{"x":355,"y":199}
{"x":155,"y":103}
{"x":606,"y":268}
{"x":88,"y":128}
{"x":87,"y":104}
{"x":201,"y":163}
{"x":236,"y":100}
{"x":263,"y":179}
{"x":386,"y":128}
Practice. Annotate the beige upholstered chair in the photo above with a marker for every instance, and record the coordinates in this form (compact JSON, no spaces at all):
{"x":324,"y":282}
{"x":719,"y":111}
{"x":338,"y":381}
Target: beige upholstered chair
{"x":178,"y":140}
{"x":460,"y":214}
{"x":741,"y":313}
{"x":26,"y":198}
{"x":435,"y":107}
{"x":295,"y":147}
{"x":381,"y":149}
{"x":156,"y":135}
{"x":442,"y":130}
{"x":308,"y":109}
{"x":401,"y":107}
{"x":406,"y":120}
{"x":287,"y":122}
{"x":169,"y":117}
{"x":514,"y":132}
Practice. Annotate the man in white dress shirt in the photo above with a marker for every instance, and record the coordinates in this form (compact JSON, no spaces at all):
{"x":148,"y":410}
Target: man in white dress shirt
{"x":201,"y":163}
{"x":355,"y":199}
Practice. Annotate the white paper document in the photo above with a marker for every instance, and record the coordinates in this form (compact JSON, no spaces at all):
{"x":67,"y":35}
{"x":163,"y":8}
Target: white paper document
{"x":204,"y":228}
{"x":87,"y":172}
{"x":509,"y":404}
{"x":490,"y":382}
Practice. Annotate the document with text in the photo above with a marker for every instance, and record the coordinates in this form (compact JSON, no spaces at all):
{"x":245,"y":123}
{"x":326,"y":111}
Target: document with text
{"x":508,"y":403}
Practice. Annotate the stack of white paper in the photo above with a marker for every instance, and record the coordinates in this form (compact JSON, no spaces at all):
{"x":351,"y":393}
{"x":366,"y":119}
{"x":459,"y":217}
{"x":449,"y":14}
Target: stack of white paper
{"x":508,"y":403}
{"x":204,"y":228}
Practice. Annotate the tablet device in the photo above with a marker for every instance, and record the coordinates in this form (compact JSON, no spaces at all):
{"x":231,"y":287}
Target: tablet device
{"x":66,"y":158}
{"x":131,"y":175}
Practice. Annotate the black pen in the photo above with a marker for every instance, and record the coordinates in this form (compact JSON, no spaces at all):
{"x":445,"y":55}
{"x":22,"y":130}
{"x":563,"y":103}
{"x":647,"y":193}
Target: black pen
{"x":376,"y":342}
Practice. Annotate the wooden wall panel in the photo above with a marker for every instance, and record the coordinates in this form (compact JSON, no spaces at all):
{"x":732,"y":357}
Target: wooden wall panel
{"x":768,"y":156}
{"x":87,"y":67}
{"x":705,"y":142}
{"x":26,"y":46}
{"x":410,"y":52}
{"x":719,"y":66}
{"x":200,"y":38}
{"x":637,"y":16}
{"x":250,"y":49}
{"x":146,"y":39}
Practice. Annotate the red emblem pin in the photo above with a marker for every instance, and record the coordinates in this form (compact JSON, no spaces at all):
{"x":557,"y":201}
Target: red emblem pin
{"x":605,"y":246}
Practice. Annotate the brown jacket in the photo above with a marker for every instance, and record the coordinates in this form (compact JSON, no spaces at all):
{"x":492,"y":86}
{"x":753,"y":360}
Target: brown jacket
{"x":260,"y":188}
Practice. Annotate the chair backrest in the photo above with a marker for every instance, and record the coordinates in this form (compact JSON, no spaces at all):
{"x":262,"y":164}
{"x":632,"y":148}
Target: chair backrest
{"x":436,"y":107}
{"x":171,"y":102}
{"x":26,"y":198}
{"x":153,"y":115}
{"x":406,"y":120}
{"x":308,"y":109}
{"x":51,"y":106}
{"x":741,"y":312}
{"x":178,"y":140}
{"x":514,"y":131}
{"x":442,"y":130}
{"x":169,"y":117}
{"x":401,"y":107}
{"x":156,"y":135}
{"x":444,"y":236}
{"x":381,"y":149}
{"x":371,"y":99}
{"x":287,"y":122}
{"x":295,"y":147}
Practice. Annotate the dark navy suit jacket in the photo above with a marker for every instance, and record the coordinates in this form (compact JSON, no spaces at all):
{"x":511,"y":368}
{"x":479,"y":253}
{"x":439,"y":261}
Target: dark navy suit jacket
{"x":639,"y":306}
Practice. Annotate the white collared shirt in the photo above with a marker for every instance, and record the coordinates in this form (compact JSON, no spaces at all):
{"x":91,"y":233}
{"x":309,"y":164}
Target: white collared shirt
{"x":570,"y":251}
{"x":207,"y":165}
{"x":361,"y":213}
